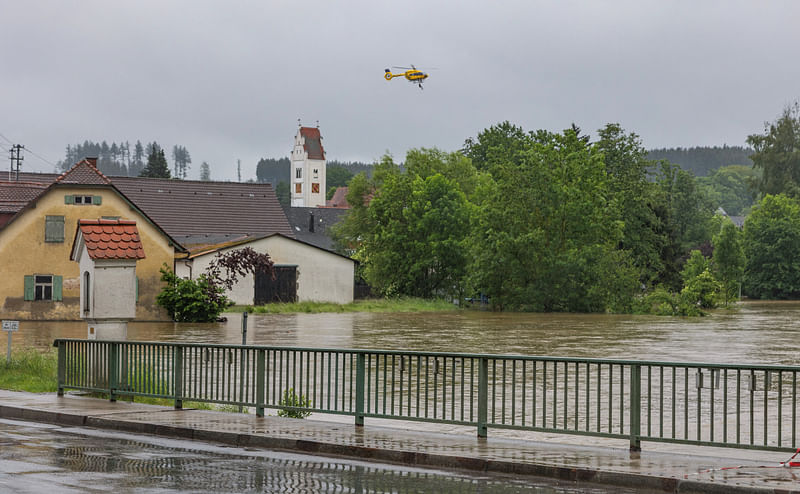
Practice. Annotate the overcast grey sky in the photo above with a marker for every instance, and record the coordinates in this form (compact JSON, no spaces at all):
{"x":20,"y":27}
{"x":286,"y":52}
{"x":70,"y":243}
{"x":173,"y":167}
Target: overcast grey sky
{"x":229,"y":79}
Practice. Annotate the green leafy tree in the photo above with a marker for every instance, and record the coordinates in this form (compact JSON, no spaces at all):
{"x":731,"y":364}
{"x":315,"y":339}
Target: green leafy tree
{"x":283,"y":195}
{"x":729,"y":260}
{"x":701,"y":291}
{"x":633,"y":194}
{"x":186,"y":300}
{"x":337,"y":176}
{"x":694,"y":266}
{"x":545,"y":238}
{"x":730,"y":188}
{"x":777,"y":154}
{"x":157,"y":166}
{"x":771,"y":245}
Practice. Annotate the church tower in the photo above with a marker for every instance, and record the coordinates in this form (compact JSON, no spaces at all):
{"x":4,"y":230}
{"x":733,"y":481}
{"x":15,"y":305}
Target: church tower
{"x":308,"y":169}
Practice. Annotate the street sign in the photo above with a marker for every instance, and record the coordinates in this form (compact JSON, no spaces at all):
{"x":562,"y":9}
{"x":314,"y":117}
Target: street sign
{"x":10,"y":325}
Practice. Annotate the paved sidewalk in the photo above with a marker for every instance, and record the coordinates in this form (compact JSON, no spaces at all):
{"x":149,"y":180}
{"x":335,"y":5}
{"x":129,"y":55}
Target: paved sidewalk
{"x":662,"y":468}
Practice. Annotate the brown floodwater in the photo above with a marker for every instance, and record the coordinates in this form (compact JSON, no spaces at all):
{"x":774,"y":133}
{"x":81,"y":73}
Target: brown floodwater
{"x":755,"y":332}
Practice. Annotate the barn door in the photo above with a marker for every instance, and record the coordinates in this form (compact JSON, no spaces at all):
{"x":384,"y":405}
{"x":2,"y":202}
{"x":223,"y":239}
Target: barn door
{"x":282,"y":289}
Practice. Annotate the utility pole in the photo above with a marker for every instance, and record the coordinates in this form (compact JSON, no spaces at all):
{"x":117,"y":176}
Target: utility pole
{"x":15,"y":152}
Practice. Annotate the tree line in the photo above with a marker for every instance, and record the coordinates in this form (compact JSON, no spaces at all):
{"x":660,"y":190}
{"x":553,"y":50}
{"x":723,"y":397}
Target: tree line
{"x":122,"y":159}
{"x":703,"y":160}
{"x":544,"y":221}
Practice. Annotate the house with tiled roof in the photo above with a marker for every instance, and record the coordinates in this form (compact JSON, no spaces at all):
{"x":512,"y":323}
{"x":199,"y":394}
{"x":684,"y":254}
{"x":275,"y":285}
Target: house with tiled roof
{"x":39,"y":281}
{"x":307,"y":159}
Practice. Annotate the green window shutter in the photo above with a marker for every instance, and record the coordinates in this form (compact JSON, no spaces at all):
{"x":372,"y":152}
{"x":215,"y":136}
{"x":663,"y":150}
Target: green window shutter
{"x":97,"y":200}
{"x":57,"y":284}
{"x":28,"y":287}
{"x":54,"y":229}
{"x":69,"y":199}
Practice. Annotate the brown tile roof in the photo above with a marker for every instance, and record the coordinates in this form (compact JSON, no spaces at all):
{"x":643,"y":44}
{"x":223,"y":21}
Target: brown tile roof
{"x":339,"y":199}
{"x":15,"y":195}
{"x":111,"y":239}
{"x":188,"y":207}
{"x":313,"y":143}
{"x":85,"y":172}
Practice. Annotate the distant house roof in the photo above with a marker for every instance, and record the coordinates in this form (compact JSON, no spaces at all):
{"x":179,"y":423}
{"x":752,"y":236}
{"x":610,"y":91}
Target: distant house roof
{"x":312,"y":143}
{"x":15,"y":195}
{"x":109,"y":239}
{"x":339,"y":199}
{"x":210,"y":249}
{"x":188,"y":207}
{"x":302,"y":219}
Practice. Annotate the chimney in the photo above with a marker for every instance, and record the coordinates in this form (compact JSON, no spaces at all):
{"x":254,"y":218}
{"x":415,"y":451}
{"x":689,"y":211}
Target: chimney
{"x":311,"y":221}
{"x":92,"y":161}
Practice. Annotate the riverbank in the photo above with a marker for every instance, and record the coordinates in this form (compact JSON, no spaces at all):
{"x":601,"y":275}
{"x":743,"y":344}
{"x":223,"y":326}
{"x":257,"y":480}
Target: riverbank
{"x":366,"y":305}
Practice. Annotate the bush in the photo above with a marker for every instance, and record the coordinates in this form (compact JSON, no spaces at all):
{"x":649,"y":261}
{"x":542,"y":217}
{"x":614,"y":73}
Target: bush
{"x":198,"y":300}
{"x":290,"y":399}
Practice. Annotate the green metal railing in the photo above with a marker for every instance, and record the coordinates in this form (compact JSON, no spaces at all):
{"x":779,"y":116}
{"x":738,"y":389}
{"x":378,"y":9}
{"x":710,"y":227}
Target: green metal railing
{"x":740,"y":406}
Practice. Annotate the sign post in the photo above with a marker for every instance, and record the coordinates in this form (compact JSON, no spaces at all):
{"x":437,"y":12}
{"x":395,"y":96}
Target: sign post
{"x":10,"y":327}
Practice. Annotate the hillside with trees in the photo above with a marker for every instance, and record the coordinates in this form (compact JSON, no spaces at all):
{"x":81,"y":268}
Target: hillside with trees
{"x":703,"y":160}
{"x":123,"y":158}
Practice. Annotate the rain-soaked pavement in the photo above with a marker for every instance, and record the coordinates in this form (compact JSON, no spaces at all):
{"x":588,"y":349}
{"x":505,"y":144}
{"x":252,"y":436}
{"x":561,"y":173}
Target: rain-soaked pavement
{"x":36,"y":458}
{"x":664,"y":468}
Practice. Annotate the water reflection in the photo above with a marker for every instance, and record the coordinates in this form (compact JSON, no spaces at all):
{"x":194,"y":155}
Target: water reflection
{"x":758,"y":332}
{"x":53,"y":459}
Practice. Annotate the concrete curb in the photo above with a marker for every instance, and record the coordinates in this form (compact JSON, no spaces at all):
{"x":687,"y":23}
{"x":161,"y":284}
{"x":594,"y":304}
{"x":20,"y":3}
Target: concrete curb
{"x":409,"y":458}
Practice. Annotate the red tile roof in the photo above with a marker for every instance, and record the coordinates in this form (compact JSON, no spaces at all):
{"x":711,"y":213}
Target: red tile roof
{"x":312,"y":143}
{"x":111,"y":239}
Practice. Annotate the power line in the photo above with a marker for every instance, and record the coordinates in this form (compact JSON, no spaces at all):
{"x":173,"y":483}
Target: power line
{"x":37,"y":155}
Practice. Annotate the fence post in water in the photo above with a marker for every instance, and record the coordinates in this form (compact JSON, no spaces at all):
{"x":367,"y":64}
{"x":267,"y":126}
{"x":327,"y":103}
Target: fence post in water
{"x":360,"y":372}
{"x":62,"y":366}
{"x":113,"y":364}
{"x":483,"y":396}
{"x":177,"y":375}
{"x":260,"y":359}
{"x":635,"y":397}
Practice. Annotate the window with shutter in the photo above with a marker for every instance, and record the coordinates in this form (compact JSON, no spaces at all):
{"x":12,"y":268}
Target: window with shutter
{"x":54,"y":229}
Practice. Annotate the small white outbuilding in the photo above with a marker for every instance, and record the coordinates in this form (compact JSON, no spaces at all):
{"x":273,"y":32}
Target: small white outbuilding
{"x":107,"y":252}
{"x":304,"y":272}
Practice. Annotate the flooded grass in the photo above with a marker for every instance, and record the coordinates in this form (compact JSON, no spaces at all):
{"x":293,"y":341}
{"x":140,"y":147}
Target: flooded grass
{"x":368,"y":305}
{"x":30,"y":370}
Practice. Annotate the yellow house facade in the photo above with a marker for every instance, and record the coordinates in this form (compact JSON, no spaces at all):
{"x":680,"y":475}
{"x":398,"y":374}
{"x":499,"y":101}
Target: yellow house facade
{"x":39,"y":281}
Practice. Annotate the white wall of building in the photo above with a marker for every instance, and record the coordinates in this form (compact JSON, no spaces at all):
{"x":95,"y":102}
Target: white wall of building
{"x":322,"y":276}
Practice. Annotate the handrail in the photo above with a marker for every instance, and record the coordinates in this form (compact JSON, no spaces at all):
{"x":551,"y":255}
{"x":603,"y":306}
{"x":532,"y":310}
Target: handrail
{"x":732,"y":405}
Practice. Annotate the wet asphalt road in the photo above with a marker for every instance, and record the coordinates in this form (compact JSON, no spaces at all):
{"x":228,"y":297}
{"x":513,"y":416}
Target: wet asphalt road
{"x":39,"y":458}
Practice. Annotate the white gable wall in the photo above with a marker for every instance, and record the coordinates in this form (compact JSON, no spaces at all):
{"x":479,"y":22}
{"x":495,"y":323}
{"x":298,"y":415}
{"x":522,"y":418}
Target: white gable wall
{"x":321,"y":275}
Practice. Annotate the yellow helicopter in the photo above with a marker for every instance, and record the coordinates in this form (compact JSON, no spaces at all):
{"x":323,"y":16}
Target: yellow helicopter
{"x":411,"y":74}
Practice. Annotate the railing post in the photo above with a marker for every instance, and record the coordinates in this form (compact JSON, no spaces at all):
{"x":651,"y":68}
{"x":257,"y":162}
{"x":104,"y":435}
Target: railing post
{"x":635,"y":397}
{"x":483,"y":396}
{"x":360,"y":372}
{"x":113,"y":359}
{"x":177,"y":375}
{"x":260,"y":365}
{"x":62,"y":366}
